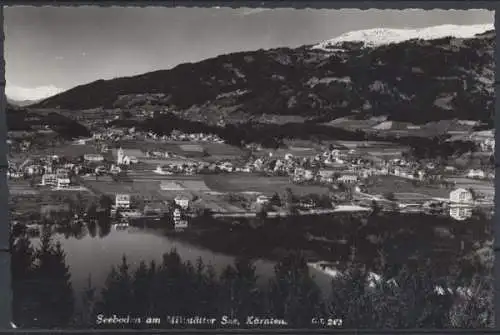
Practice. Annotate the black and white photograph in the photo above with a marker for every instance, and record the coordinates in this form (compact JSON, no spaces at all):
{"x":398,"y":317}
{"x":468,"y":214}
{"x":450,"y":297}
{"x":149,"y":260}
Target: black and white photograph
{"x":254,"y":168}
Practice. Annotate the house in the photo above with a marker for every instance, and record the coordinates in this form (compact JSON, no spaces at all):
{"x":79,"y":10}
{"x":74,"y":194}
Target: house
{"x":226,"y":166}
{"x":115,"y":169}
{"x":307,"y":204}
{"x":182,"y":202}
{"x":476,"y":174}
{"x":160,"y":170}
{"x":348,"y":179}
{"x":122,"y":201}
{"x":488,"y":144}
{"x":32,"y":169}
{"x":49,"y":179}
{"x":93,"y":157}
{"x":308,"y":175}
{"x":14,"y":174}
{"x":461,"y":195}
{"x":262,"y":199}
{"x":63,"y":182}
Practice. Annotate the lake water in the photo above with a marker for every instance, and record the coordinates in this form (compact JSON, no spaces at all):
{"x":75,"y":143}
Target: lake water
{"x":95,"y":256}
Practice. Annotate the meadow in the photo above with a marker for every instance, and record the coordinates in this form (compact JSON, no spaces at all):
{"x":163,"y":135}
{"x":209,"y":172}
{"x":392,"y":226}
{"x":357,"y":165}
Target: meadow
{"x":255,"y":183}
{"x":404,"y":188}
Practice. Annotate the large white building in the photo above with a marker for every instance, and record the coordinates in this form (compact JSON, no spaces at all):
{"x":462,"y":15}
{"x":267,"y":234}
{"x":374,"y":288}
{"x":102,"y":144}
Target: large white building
{"x":122,"y":201}
{"x":348,"y":179}
{"x":461,"y":196}
{"x":182,"y":202}
{"x":63,"y":182}
{"x":49,"y":179}
{"x":476,"y":174}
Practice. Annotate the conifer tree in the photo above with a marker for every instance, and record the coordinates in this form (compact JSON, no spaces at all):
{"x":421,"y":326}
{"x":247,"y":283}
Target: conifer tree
{"x":116,"y":296}
{"x":54,"y":292}
{"x":293,"y":294}
{"x":23,"y":282}
{"x":141,"y":290}
{"x":87,"y":307}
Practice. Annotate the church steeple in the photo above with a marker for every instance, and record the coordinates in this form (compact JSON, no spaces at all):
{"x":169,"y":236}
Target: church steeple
{"x":120,"y":156}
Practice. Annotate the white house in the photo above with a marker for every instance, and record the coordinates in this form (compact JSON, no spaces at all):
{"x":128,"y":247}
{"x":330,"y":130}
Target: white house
{"x":476,"y":174}
{"x":461,"y":196}
{"x":93,"y":157}
{"x":327,"y":173}
{"x":63,"y":182}
{"x":262,"y":199}
{"x":348,"y":179}
{"x":182,"y":202}
{"x":122,"y":201}
{"x":49,"y":179}
{"x":308,"y":175}
{"x":488,"y":144}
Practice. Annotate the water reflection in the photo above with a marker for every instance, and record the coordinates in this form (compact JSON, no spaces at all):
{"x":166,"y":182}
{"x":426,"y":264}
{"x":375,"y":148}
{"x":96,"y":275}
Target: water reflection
{"x":94,"y":246}
{"x":460,"y":213}
{"x":95,"y":256}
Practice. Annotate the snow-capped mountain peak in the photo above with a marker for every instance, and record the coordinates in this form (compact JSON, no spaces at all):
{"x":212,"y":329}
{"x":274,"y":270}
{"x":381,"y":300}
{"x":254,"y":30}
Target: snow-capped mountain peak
{"x":381,"y":36}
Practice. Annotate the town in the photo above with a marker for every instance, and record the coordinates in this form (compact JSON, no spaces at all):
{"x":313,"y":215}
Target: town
{"x":183,"y":175}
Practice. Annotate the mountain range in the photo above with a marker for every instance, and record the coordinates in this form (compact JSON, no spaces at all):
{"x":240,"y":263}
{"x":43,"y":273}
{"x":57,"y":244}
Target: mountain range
{"x":437,"y":75}
{"x":21,"y":103}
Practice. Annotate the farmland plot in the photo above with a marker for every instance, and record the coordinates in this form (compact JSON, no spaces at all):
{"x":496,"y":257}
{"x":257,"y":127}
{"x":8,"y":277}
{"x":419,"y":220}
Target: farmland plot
{"x":257,"y":183}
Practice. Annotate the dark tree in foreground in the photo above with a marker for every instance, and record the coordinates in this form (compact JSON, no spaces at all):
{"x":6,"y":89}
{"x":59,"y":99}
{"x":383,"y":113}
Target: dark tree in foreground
{"x":293,"y":294}
{"x":54,"y":294}
{"x":408,"y":295}
{"x":86,"y":317}
{"x":43,"y":295}
{"x":116,"y":296}
{"x":240,"y":295}
{"x":23,"y":282}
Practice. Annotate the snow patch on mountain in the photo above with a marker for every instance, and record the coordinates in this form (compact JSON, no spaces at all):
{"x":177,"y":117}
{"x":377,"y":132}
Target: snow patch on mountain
{"x":382,"y":36}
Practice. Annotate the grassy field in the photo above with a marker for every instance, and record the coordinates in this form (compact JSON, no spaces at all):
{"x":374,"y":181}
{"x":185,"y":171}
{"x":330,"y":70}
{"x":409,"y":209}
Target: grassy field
{"x":402,"y":128}
{"x":191,"y":147}
{"x":21,"y":188}
{"x":221,"y":149}
{"x":68,"y":150}
{"x":483,"y":186}
{"x":404,"y":188}
{"x":256,"y":183}
{"x":188,"y":149}
{"x":109,"y":187}
{"x":411,"y":196}
{"x":294,"y":150}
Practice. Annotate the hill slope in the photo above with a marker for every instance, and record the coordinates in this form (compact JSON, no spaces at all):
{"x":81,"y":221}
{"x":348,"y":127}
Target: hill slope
{"x":412,"y":81}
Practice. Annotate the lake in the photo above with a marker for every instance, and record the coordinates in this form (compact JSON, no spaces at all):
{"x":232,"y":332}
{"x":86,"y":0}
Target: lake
{"x":94,"y":256}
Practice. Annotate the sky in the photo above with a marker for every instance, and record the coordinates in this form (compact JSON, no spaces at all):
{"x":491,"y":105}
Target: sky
{"x":51,"y":49}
